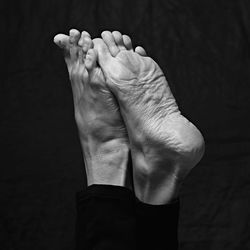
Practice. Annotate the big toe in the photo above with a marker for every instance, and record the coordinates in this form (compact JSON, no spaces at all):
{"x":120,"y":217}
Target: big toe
{"x":110,"y":42}
{"x":103,"y":52}
{"x":62,"y":41}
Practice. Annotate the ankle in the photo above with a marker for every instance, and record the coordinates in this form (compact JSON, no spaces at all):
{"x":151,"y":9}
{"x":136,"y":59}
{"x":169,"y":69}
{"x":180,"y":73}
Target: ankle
{"x":106,"y":163}
{"x":158,"y":191}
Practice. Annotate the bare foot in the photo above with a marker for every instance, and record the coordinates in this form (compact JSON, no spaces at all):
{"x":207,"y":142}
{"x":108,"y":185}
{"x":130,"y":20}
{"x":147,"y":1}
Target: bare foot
{"x":102,"y":132}
{"x":165,"y":145}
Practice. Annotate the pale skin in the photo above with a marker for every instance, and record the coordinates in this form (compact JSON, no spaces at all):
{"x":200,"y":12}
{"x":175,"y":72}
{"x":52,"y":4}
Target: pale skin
{"x":164,"y":145}
{"x":103,"y":135}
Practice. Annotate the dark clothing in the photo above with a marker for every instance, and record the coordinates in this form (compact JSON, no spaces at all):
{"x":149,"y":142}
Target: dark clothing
{"x":111,"y":218}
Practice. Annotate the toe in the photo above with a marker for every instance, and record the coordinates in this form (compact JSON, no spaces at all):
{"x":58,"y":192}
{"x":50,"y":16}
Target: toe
{"x":83,"y":35}
{"x":118,"y":40}
{"x":74,"y":36}
{"x":62,"y":41}
{"x":85,"y":42}
{"x":103,"y":52}
{"x":91,"y":58}
{"x":127,"y":42}
{"x":141,"y":51}
{"x":110,"y":42}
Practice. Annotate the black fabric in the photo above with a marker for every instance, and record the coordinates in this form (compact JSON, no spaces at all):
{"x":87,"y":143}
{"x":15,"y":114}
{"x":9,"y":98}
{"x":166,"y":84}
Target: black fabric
{"x":110,"y":217}
{"x":106,"y":218}
{"x":202,"y":47}
{"x":157,"y":226}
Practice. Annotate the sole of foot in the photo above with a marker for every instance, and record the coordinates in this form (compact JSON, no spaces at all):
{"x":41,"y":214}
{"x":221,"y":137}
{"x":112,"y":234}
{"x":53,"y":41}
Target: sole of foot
{"x":165,"y":145}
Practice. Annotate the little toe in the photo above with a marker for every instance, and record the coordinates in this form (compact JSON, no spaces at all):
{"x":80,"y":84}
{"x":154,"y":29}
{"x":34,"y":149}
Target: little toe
{"x":127,"y":42}
{"x":90,"y":61}
{"x":118,"y":40}
{"x":62,"y":41}
{"x":74,"y":36}
{"x":110,"y":42}
{"x":141,"y":51}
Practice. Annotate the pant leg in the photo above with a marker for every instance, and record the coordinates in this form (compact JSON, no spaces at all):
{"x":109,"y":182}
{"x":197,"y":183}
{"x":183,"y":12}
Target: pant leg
{"x":105,"y":218}
{"x":157,"y":226}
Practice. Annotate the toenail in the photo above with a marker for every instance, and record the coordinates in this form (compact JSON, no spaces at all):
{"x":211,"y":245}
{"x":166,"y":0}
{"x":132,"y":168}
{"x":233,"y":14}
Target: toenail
{"x":117,"y":34}
{"x":85,"y":33}
{"x":105,"y":32}
{"x":72,"y":32}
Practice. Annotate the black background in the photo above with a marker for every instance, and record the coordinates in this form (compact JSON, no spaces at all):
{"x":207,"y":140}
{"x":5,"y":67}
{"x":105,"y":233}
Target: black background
{"x":203,"y":48}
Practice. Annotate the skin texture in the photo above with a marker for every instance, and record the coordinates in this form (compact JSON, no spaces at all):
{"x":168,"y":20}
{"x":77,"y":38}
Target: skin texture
{"x":101,"y":128}
{"x":126,"y":102}
{"x":165,"y":146}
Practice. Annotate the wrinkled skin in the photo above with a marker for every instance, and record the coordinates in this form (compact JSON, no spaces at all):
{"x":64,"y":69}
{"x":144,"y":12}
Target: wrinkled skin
{"x":165,"y":145}
{"x":103,"y":135}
